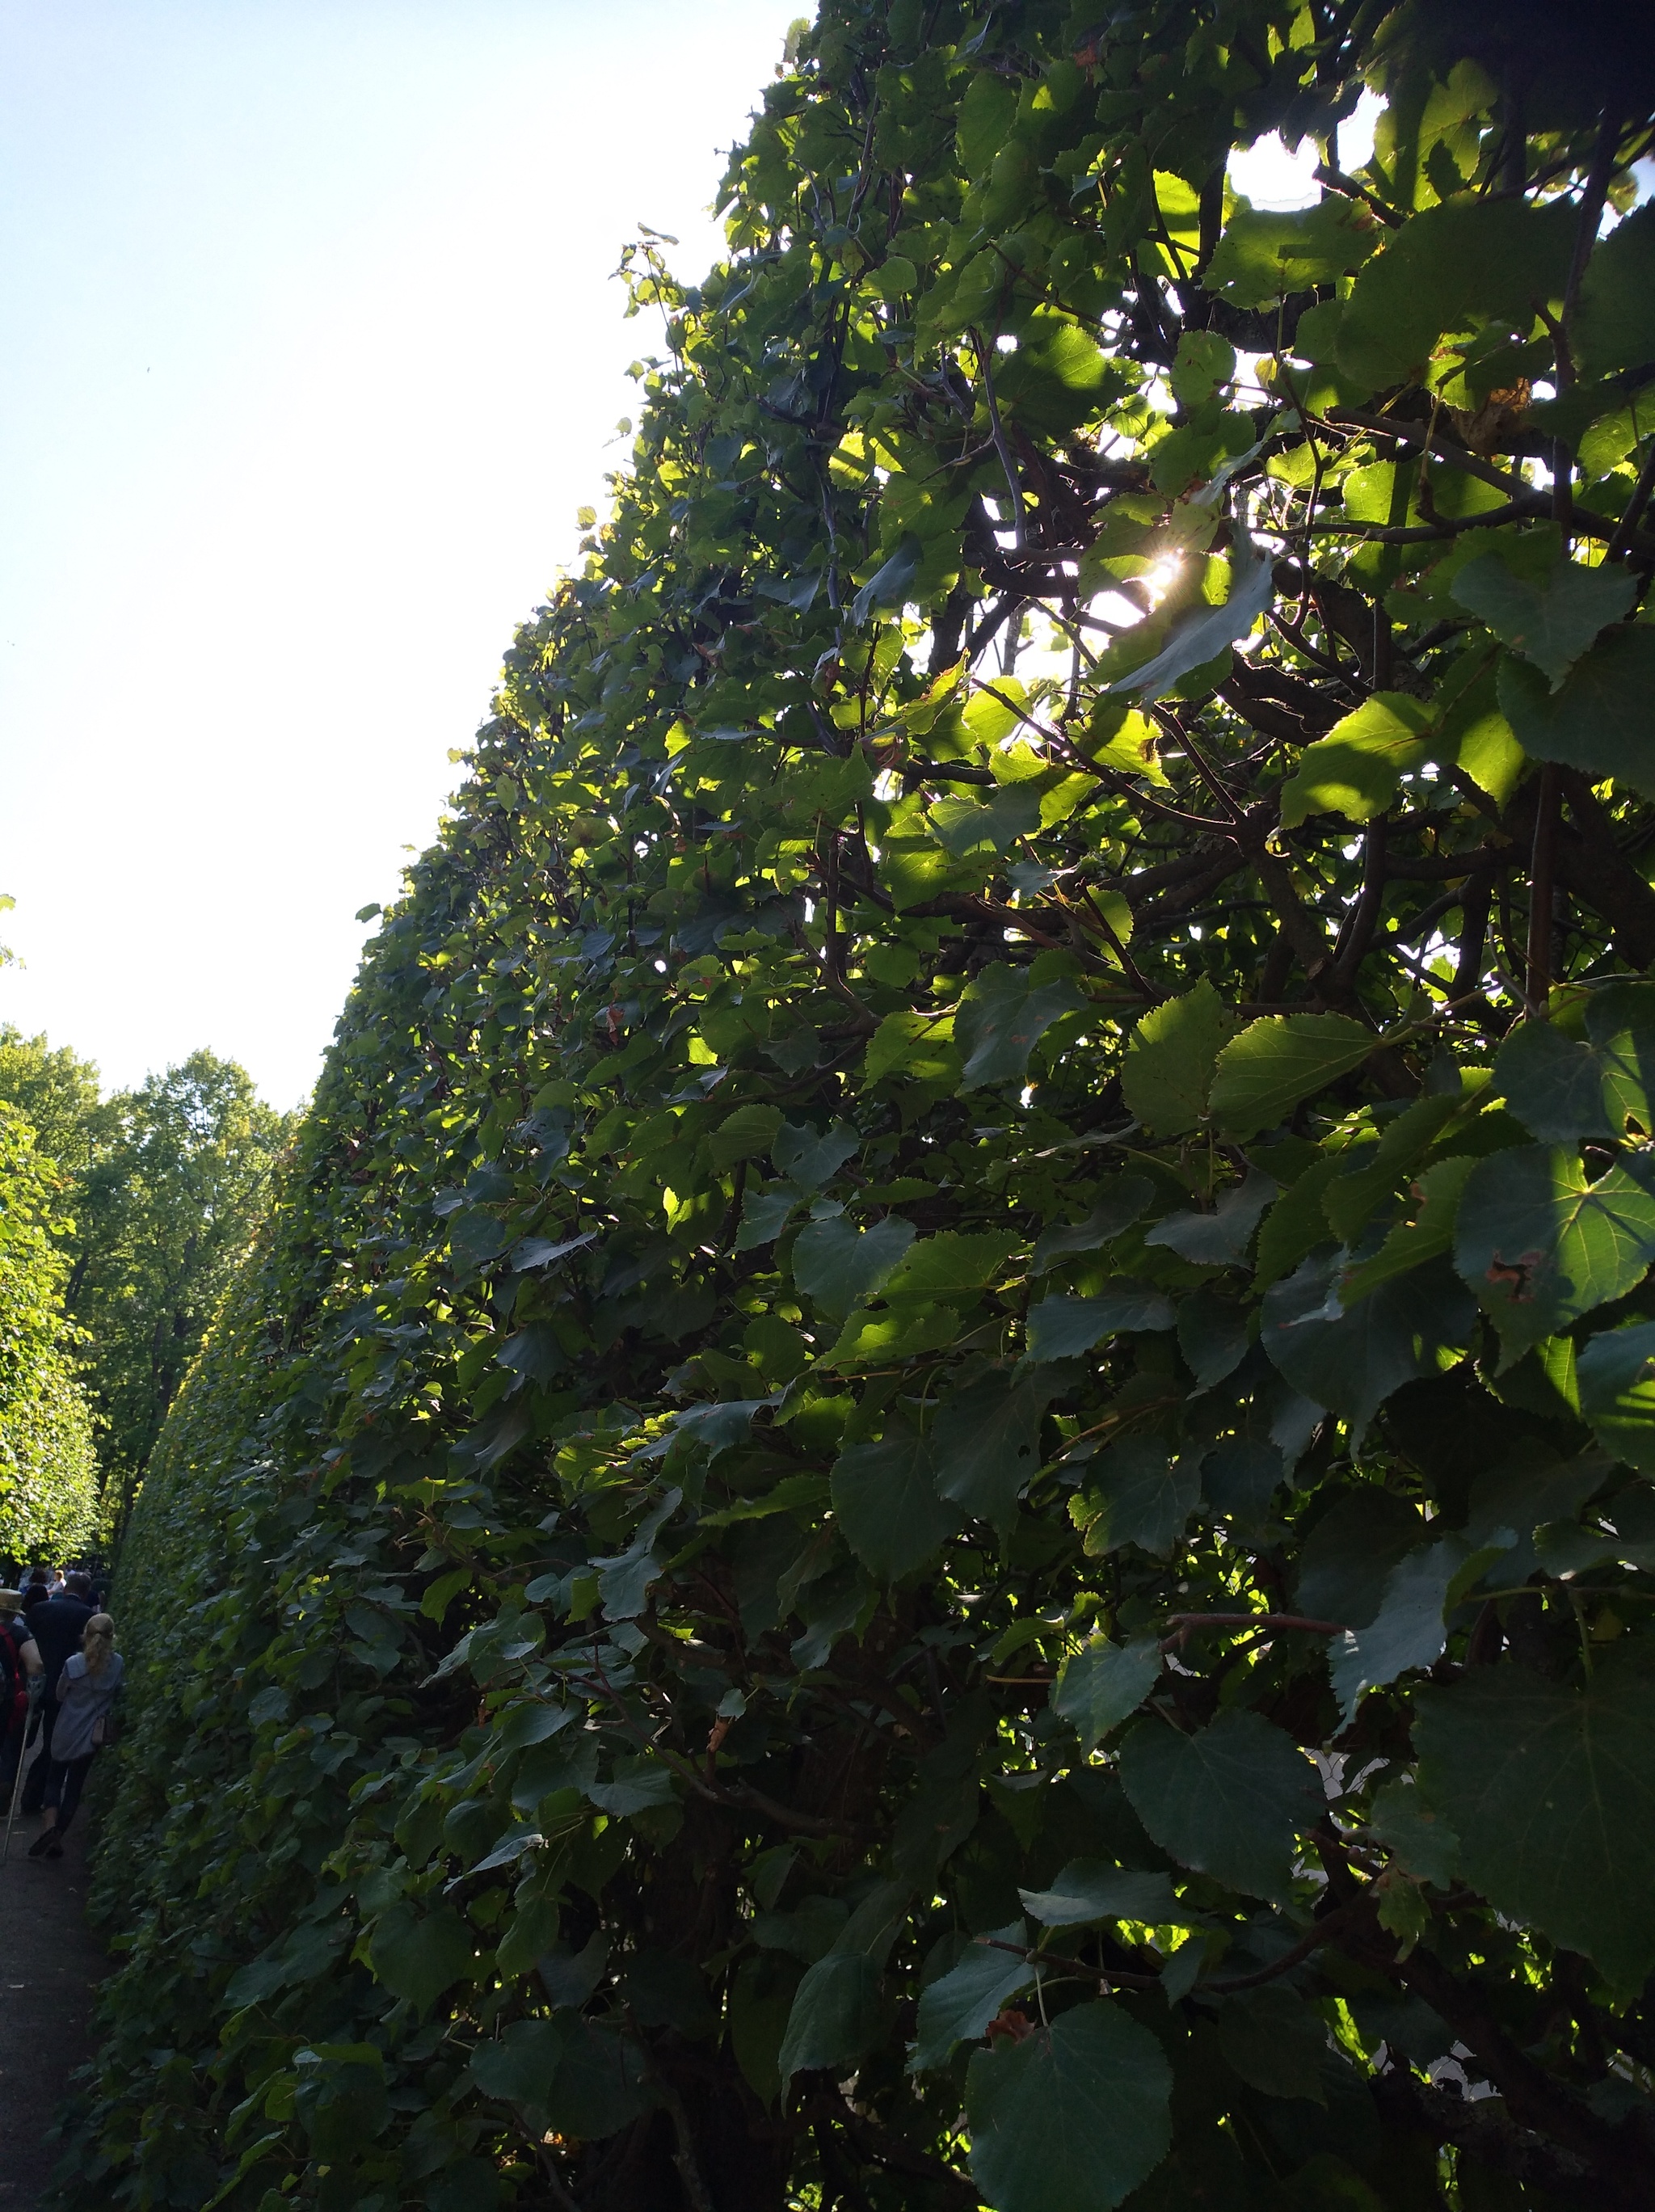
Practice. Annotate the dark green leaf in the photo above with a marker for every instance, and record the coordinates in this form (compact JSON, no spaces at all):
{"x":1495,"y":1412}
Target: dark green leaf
{"x":809,"y":1157}
{"x":1091,"y":1890}
{"x":836,"y":1263}
{"x":836,"y":2015}
{"x":1002,"y":1016}
{"x":1125,"y":1200}
{"x":1552,"y":622}
{"x":1351,"y":1360}
{"x":1274,"y":2041}
{"x":1062,"y":1327}
{"x":1601,"y":718}
{"x":959,"y":2005}
{"x":1614,"y":317}
{"x":1101,"y":1684}
{"x":885,"y":1500}
{"x":418,"y":1957}
{"x":1563,"y":1089}
{"x":1541,"y":1246}
{"x":1073,"y":2118}
{"x":1551,"y":1791}
{"x":1220,"y":1238}
{"x":1228,"y":1801}
{"x":986,"y":1443}
{"x":1142,"y":1496}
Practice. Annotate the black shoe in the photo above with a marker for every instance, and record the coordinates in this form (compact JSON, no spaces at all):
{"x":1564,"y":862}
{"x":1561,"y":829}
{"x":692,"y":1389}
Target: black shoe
{"x":54,"y":1849}
{"x":45,"y":1845}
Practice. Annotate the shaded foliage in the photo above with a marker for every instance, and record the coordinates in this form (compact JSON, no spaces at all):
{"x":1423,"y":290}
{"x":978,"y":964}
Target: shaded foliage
{"x":935,"y":1487}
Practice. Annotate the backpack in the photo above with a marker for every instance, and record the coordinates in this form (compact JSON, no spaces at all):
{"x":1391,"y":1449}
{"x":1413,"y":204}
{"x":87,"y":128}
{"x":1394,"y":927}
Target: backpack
{"x":15,"y":1706}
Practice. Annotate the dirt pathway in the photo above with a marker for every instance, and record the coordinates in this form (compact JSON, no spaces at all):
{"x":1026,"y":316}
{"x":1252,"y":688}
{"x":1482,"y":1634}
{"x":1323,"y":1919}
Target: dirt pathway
{"x":50,"y":1967}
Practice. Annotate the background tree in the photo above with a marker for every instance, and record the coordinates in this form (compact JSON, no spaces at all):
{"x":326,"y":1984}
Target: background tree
{"x":936,"y":1486}
{"x":161,"y":1189}
{"x":48,"y":1466}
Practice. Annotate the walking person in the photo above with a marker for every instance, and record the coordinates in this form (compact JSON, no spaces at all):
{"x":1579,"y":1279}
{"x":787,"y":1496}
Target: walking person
{"x":86,"y":1690}
{"x":56,"y":1628}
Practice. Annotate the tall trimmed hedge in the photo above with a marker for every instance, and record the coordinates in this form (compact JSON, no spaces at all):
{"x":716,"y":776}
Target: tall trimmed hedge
{"x":935,"y":1488}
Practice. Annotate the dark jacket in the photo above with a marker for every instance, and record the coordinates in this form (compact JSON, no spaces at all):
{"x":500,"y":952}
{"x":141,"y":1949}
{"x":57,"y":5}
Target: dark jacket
{"x":58,"y":1627}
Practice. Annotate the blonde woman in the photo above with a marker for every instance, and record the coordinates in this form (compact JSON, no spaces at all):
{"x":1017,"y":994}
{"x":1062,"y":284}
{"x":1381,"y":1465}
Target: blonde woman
{"x":86,"y":1691}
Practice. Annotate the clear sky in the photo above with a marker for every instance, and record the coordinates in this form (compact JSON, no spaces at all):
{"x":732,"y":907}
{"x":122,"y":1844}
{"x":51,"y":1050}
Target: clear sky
{"x":308,"y":353}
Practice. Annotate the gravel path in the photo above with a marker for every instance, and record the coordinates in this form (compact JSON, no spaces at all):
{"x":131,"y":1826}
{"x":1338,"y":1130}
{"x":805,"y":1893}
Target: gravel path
{"x":50,"y":1968}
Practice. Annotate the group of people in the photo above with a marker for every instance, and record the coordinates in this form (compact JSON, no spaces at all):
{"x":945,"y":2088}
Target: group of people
{"x":59,"y":1676}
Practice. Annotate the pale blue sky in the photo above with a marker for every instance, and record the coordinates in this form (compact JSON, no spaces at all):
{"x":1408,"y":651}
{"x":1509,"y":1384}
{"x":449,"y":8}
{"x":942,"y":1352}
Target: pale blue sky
{"x":308,"y":353}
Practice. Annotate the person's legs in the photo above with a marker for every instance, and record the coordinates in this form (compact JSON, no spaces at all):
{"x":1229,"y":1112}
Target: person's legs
{"x":70,"y":1780}
{"x":35,"y":1787}
{"x":46,"y":1845}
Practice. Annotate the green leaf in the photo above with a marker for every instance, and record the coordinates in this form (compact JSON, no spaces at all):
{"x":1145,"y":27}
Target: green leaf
{"x":1213,"y":1337}
{"x":986,"y":1443}
{"x":1540,"y":1246}
{"x":1601,"y":718}
{"x":1202,"y":634}
{"x":1351,"y":1552}
{"x":1613,"y":324}
{"x":836,"y":2016}
{"x":765,"y":1214}
{"x":1262,"y":1073}
{"x":1003,"y":1014}
{"x":1562,"y":1088}
{"x":1099,"y":1684}
{"x":598,"y":2086}
{"x":1411,"y":1243}
{"x":1063,"y":1328}
{"x":1169,"y":1062}
{"x":1274,"y":2041}
{"x":1143,"y":1495}
{"x":418,"y":1957}
{"x":885,"y":1500}
{"x":1354,"y":771}
{"x":962,"y":825}
{"x":1123,"y":1202}
{"x":950,"y":1263}
{"x":1264,"y":254}
{"x":1415,"y":1835}
{"x":1451,"y":269}
{"x":1552,"y":1793}
{"x":1350,"y":1358}
{"x":836,"y":1263}
{"x":1072,"y":2117}
{"x":889,"y":584}
{"x":1615,"y":1374}
{"x":919,"y":1046}
{"x":1550,"y":623}
{"x":1228,"y":1801}
{"x":1218,"y":1239}
{"x":809,"y":1157}
{"x":1202,"y":361}
{"x":1089,"y":1890}
{"x":745,"y":1134}
{"x":519,"y":2068}
{"x":959,"y":2005}
{"x":1408,"y":1629}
